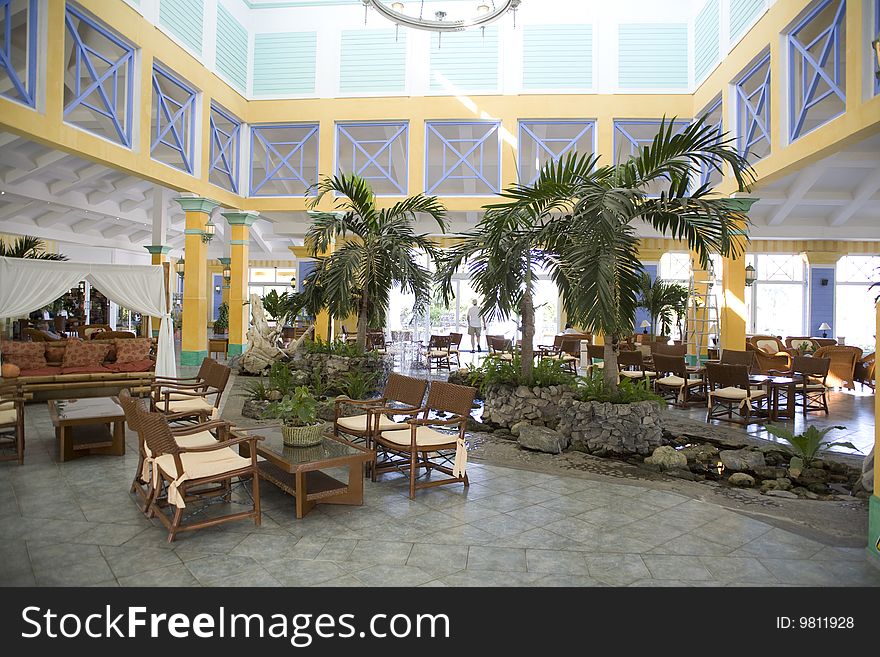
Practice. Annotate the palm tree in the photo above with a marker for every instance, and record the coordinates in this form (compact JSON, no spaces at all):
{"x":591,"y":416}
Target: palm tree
{"x":375,"y":249}
{"x":502,"y":255}
{"x":663,"y":300}
{"x":29,"y":247}
{"x":590,"y":216}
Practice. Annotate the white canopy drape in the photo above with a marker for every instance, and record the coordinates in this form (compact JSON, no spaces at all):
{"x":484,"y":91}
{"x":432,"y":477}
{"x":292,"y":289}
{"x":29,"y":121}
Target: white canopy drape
{"x":28,"y":285}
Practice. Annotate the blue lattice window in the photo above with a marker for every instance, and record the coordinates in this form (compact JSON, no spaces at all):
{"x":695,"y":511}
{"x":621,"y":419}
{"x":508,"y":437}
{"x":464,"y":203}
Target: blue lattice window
{"x":463,"y":158}
{"x":18,"y":50}
{"x":99,"y":78}
{"x":753,"y":110}
{"x":376,"y":152}
{"x":173,"y":123}
{"x":225,"y":144}
{"x":710,"y":175}
{"x":631,"y":135}
{"x":541,"y":142}
{"x":284,"y":159}
{"x":817,"y":68}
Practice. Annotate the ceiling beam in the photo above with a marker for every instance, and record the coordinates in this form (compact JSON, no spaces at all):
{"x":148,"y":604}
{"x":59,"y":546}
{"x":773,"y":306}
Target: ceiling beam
{"x":18,"y":228}
{"x":82,"y":175}
{"x":866,"y":189}
{"x":126,"y":182}
{"x":38,"y":191}
{"x":119,"y":229}
{"x":802,"y":184}
{"x":51,"y":218}
{"x":42,"y":161}
{"x":13,"y":208}
{"x":257,"y":234}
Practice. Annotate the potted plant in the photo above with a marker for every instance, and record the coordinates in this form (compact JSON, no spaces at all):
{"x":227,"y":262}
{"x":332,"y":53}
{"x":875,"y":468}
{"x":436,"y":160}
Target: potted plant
{"x":298,"y":412}
{"x":805,"y":348}
{"x":221,"y":324}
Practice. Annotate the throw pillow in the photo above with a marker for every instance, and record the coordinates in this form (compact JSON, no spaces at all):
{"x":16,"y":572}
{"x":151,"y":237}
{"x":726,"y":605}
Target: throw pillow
{"x":83,"y":354}
{"x":131,"y":350}
{"x":27,"y":355}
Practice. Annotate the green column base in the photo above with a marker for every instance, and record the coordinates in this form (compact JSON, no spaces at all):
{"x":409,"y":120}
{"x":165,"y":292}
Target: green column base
{"x":874,"y":529}
{"x":235,"y":349}
{"x":192,"y":358}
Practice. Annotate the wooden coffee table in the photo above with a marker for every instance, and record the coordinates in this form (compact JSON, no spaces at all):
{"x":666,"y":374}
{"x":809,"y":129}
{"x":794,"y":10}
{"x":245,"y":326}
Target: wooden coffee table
{"x":298,"y":470}
{"x":88,"y":426}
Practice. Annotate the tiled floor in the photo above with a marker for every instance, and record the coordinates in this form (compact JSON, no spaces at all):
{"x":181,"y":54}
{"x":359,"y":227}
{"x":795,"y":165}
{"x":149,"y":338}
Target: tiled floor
{"x":75,"y":524}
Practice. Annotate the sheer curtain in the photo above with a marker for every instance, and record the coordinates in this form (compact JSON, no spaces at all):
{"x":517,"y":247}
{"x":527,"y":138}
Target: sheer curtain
{"x":28,"y":285}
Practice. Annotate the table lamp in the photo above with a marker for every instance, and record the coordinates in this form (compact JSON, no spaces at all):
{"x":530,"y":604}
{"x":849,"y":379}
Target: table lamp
{"x":824,"y":328}
{"x":645,"y":325}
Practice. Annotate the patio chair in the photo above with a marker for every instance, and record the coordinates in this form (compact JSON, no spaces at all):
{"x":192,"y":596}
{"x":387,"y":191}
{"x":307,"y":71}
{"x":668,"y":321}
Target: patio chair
{"x":422,"y":438}
{"x":190,"y":474}
{"x":771,"y":354}
{"x":673,"y":383}
{"x":796,"y":342}
{"x":500,"y":347}
{"x":864,"y":372}
{"x":406,"y":391}
{"x":200,"y":400}
{"x":811,"y":394}
{"x":843,"y":364}
{"x":455,"y":347}
{"x":12,"y":421}
{"x":567,"y":351}
{"x":198,"y":435}
{"x":437,"y":351}
{"x":662,"y":347}
{"x":734,"y":357}
{"x":632,"y":366}
{"x":728,"y":391}
{"x":376,"y":342}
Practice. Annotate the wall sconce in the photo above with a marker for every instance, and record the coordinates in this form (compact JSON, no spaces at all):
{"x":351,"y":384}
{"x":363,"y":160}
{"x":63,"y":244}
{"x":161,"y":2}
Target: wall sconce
{"x":293,"y":282}
{"x":751,"y":275}
{"x":208,"y":232}
{"x":179,"y":268}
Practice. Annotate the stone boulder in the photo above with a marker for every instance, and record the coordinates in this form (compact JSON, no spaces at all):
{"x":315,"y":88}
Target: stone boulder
{"x":741,"y":460}
{"x":667,"y":458}
{"x":606,"y":429}
{"x":742,"y":480}
{"x":782,"y":493}
{"x":515,"y":428}
{"x":542,"y":439}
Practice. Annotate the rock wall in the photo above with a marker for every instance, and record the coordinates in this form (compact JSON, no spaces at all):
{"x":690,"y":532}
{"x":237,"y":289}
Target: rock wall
{"x":506,"y":405}
{"x":333,"y":369}
{"x":607,"y":429}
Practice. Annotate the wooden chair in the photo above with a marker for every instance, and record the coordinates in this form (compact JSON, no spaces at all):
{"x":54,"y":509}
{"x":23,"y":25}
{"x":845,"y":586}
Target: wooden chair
{"x":728,"y":391}
{"x":843,"y":364}
{"x":437,"y":351}
{"x":376,"y":342}
{"x":771,"y":354}
{"x":198,"y":435}
{"x":864,"y":372}
{"x":595,"y":352}
{"x":178,"y":401}
{"x":500,"y":347}
{"x":189,"y":474}
{"x":421,"y":438}
{"x":12,"y":420}
{"x":567,"y":350}
{"x":734,"y":357}
{"x":674,"y":383}
{"x":455,"y":347}
{"x":406,"y":391}
{"x":662,"y":347}
{"x":811,"y":394}
{"x":632,"y":366}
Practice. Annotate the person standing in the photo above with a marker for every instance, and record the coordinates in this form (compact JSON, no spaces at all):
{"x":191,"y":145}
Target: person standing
{"x":475,"y":325}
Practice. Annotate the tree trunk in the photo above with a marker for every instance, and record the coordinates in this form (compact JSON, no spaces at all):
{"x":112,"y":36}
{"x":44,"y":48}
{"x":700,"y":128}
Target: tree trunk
{"x":363,"y":321}
{"x":610,"y":368}
{"x":527,"y":313}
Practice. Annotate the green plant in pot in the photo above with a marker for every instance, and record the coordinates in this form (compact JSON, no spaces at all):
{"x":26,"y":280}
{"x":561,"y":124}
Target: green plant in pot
{"x":298,"y":412}
{"x":221,"y":324}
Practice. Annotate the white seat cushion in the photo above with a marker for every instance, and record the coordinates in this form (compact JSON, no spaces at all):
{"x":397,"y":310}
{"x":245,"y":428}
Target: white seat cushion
{"x":203,"y":464}
{"x":193,"y":404}
{"x":8,"y":414}
{"x":359,"y":423}
{"x":503,"y":356}
{"x":438,"y":353}
{"x":677,"y":381}
{"x":629,"y":374}
{"x":565,"y":358}
{"x":815,"y":387}
{"x":737,"y":394}
{"x":201,"y":439}
{"x":425,"y":437}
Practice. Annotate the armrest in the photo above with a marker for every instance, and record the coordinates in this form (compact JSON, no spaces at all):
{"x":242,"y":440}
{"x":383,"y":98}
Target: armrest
{"x":176,"y":378}
{"x":190,"y":393}
{"x":178,"y":386}
{"x":390,"y":410}
{"x":455,"y":419}
{"x":202,"y":426}
{"x":361,"y":402}
{"x":221,"y":444}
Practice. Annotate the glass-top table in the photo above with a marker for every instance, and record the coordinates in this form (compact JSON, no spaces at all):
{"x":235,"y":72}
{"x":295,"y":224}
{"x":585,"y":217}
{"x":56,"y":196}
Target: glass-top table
{"x":298,"y":470}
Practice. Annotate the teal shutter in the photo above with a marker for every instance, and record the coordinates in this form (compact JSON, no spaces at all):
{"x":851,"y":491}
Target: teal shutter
{"x":232,"y":48}
{"x":184,"y":19}
{"x":465,"y":61}
{"x":284,"y":63}
{"x":742,"y":15}
{"x":706,"y":37}
{"x":372,"y":60}
{"x":653,"y":55}
{"x":557,"y":57}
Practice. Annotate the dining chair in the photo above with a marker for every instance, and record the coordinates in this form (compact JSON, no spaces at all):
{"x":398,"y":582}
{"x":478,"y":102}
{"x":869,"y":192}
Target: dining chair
{"x":729,"y":391}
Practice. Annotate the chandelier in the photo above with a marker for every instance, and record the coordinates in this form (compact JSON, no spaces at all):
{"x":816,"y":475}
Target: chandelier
{"x":487,"y":12}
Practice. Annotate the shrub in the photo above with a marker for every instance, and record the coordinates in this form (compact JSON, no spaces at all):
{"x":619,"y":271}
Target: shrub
{"x":594,"y":388}
{"x":297,"y":410}
{"x":807,"y":446}
{"x":357,"y":384}
{"x":221,"y":324}
{"x":495,"y":371}
{"x":256,"y":390}
{"x":280,"y":378}
{"x":335,"y":348}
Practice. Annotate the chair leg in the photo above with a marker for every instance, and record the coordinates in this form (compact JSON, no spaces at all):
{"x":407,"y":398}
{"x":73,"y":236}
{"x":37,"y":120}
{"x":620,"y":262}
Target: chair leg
{"x":255,"y":493}
{"x":175,"y":522}
{"x":413,"y":456}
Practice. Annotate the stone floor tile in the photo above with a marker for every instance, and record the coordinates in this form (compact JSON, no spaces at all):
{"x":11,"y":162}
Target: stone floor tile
{"x":337,"y":549}
{"x":108,"y":534}
{"x":739,"y":569}
{"x":381,"y":552}
{"x":690,"y":545}
{"x":385,"y":575}
{"x":616,"y":569}
{"x":500,"y":578}
{"x":536,"y":515}
{"x":126,"y":560}
{"x":494,"y":558}
{"x":802,"y":572}
{"x":666,"y":566}
{"x":302,"y":572}
{"x":264,"y":547}
{"x":176,"y":575}
{"x":345,"y":581}
{"x":430,"y":556}
{"x":212,"y":570}
{"x":556,"y":562}
{"x":568,"y":581}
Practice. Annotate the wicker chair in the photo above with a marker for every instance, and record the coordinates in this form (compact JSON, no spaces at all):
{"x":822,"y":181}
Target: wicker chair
{"x":632,"y":366}
{"x":38,"y":335}
{"x":728,"y":391}
{"x":771,"y":354}
{"x":180,"y":401}
{"x":455,"y":347}
{"x":796,"y":342}
{"x":843,"y":364}
{"x":666,"y":349}
{"x":438,"y":351}
{"x":500,"y":347}
{"x":811,"y":394}
{"x":567,"y":352}
{"x":421,"y":438}
{"x":673,"y":383}
{"x":404,"y":390}
{"x":864,"y":372}
{"x":12,"y":421}
{"x":595,"y":352}
{"x":187,"y":437}
{"x":734,"y":357}
{"x":190,"y":474}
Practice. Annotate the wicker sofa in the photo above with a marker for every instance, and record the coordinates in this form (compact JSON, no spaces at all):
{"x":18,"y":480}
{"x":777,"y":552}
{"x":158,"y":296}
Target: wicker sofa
{"x":65,"y":368}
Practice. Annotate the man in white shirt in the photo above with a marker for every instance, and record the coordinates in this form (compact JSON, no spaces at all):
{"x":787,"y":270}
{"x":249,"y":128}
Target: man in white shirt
{"x":475,"y":325}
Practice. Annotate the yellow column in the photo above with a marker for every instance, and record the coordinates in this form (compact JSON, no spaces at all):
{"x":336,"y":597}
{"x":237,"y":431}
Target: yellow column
{"x":194,"y":343}
{"x":323,"y":322}
{"x":733,"y":303}
{"x":239,"y":226}
{"x":698,"y":320}
{"x":159,"y":254}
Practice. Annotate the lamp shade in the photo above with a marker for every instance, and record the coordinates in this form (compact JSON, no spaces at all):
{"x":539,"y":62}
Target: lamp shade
{"x":824,"y":326}
{"x":645,"y":324}
{"x":227,"y":272}
{"x":180,"y":267}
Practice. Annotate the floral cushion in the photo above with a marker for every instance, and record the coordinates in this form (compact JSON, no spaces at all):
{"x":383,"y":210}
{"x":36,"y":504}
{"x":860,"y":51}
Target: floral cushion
{"x":88,"y":369}
{"x":55,"y":353}
{"x":27,"y":355}
{"x":130,"y":350}
{"x":84,"y":354}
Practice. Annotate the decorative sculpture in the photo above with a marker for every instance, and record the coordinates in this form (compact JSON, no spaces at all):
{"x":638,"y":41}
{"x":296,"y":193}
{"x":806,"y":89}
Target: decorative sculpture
{"x":262,"y":341}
